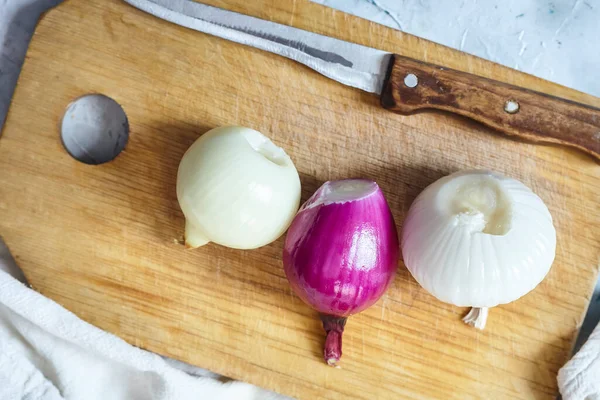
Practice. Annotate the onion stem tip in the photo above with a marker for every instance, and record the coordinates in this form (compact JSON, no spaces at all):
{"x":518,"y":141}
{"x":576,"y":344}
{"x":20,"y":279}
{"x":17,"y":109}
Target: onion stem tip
{"x":477,"y":317}
{"x":334,"y":326}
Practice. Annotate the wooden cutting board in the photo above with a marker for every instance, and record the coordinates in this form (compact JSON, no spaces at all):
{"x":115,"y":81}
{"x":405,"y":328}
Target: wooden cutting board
{"x":103,"y":240}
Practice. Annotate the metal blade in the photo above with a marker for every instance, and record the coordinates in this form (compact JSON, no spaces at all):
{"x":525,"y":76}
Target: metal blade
{"x":348,"y":63}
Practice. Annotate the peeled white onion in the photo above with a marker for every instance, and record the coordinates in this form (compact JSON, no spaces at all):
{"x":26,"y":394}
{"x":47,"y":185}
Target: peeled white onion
{"x":478,"y":239}
{"x":236,"y":188}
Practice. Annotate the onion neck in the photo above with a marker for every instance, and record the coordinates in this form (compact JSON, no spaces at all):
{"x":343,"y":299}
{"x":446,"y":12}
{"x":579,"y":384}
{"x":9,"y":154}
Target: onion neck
{"x":334,"y":326}
{"x":194,"y":237}
{"x":479,"y":202}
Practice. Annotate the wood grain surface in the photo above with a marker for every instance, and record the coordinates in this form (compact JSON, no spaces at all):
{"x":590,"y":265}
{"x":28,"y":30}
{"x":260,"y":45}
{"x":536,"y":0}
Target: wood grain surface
{"x":534,"y":116}
{"x":103,"y":241}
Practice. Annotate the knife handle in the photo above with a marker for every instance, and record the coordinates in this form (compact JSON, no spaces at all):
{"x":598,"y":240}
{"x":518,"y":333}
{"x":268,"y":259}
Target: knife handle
{"x":413,"y":85}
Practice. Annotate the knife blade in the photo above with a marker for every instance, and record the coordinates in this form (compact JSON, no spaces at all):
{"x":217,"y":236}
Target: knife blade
{"x":404,"y":85}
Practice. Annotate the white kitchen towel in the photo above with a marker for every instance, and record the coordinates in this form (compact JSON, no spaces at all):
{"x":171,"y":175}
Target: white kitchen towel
{"x":47,"y":353}
{"x":579,"y":379}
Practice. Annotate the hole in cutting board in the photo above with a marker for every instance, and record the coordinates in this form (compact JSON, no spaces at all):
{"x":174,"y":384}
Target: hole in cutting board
{"x":94,"y":129}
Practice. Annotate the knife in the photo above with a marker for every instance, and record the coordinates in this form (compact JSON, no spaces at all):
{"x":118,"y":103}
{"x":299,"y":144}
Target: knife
{"x":404,"y":85}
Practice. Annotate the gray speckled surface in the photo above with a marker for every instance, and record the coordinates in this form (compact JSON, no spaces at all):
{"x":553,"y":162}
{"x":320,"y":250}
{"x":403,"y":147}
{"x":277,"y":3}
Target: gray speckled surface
{"x":17,"y":23}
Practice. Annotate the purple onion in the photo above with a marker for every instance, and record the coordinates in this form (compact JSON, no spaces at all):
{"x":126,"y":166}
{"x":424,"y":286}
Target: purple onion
{"x":341,"y":253}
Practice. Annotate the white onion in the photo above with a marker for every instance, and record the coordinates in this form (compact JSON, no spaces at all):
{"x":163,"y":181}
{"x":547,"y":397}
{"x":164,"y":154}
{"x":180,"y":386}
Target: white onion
{"x":236,"y":188}
{"x":478,"y":239}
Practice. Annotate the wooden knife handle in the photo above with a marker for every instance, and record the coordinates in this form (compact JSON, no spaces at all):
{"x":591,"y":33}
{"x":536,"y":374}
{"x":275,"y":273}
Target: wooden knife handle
{"x":413,"y":85}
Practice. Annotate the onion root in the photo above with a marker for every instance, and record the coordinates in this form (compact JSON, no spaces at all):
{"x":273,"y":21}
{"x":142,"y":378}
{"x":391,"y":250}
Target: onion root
{"x":334,"y":326}
{"x":477,"y":317}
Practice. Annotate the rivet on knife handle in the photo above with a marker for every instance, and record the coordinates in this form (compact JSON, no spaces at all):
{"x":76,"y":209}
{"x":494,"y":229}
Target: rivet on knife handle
{"x":413,"y":85}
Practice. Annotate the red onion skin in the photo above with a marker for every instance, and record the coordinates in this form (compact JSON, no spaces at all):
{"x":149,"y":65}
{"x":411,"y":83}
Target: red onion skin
{"x":340,"y":258}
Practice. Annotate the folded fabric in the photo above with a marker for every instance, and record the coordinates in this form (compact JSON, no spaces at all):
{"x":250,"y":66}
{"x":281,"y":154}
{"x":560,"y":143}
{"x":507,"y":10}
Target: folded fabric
{"x":47,"y":353}
{"x":579,"y":379}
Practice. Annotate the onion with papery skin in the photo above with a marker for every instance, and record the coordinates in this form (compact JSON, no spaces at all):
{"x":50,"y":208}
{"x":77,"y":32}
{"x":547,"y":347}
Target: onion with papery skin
{"x":341,"y":253}
{"x":478,"y":239}
{"x":237,"y":189}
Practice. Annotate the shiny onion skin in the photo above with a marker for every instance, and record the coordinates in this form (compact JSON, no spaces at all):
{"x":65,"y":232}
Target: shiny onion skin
{"x":236,"y":188}
{"x":341,"y":253}
{"x":477,"y":238}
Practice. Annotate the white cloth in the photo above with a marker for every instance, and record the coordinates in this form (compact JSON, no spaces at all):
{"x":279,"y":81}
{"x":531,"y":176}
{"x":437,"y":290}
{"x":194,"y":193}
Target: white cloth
{"x":47,"y":353}
{"x":579,"y":379}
